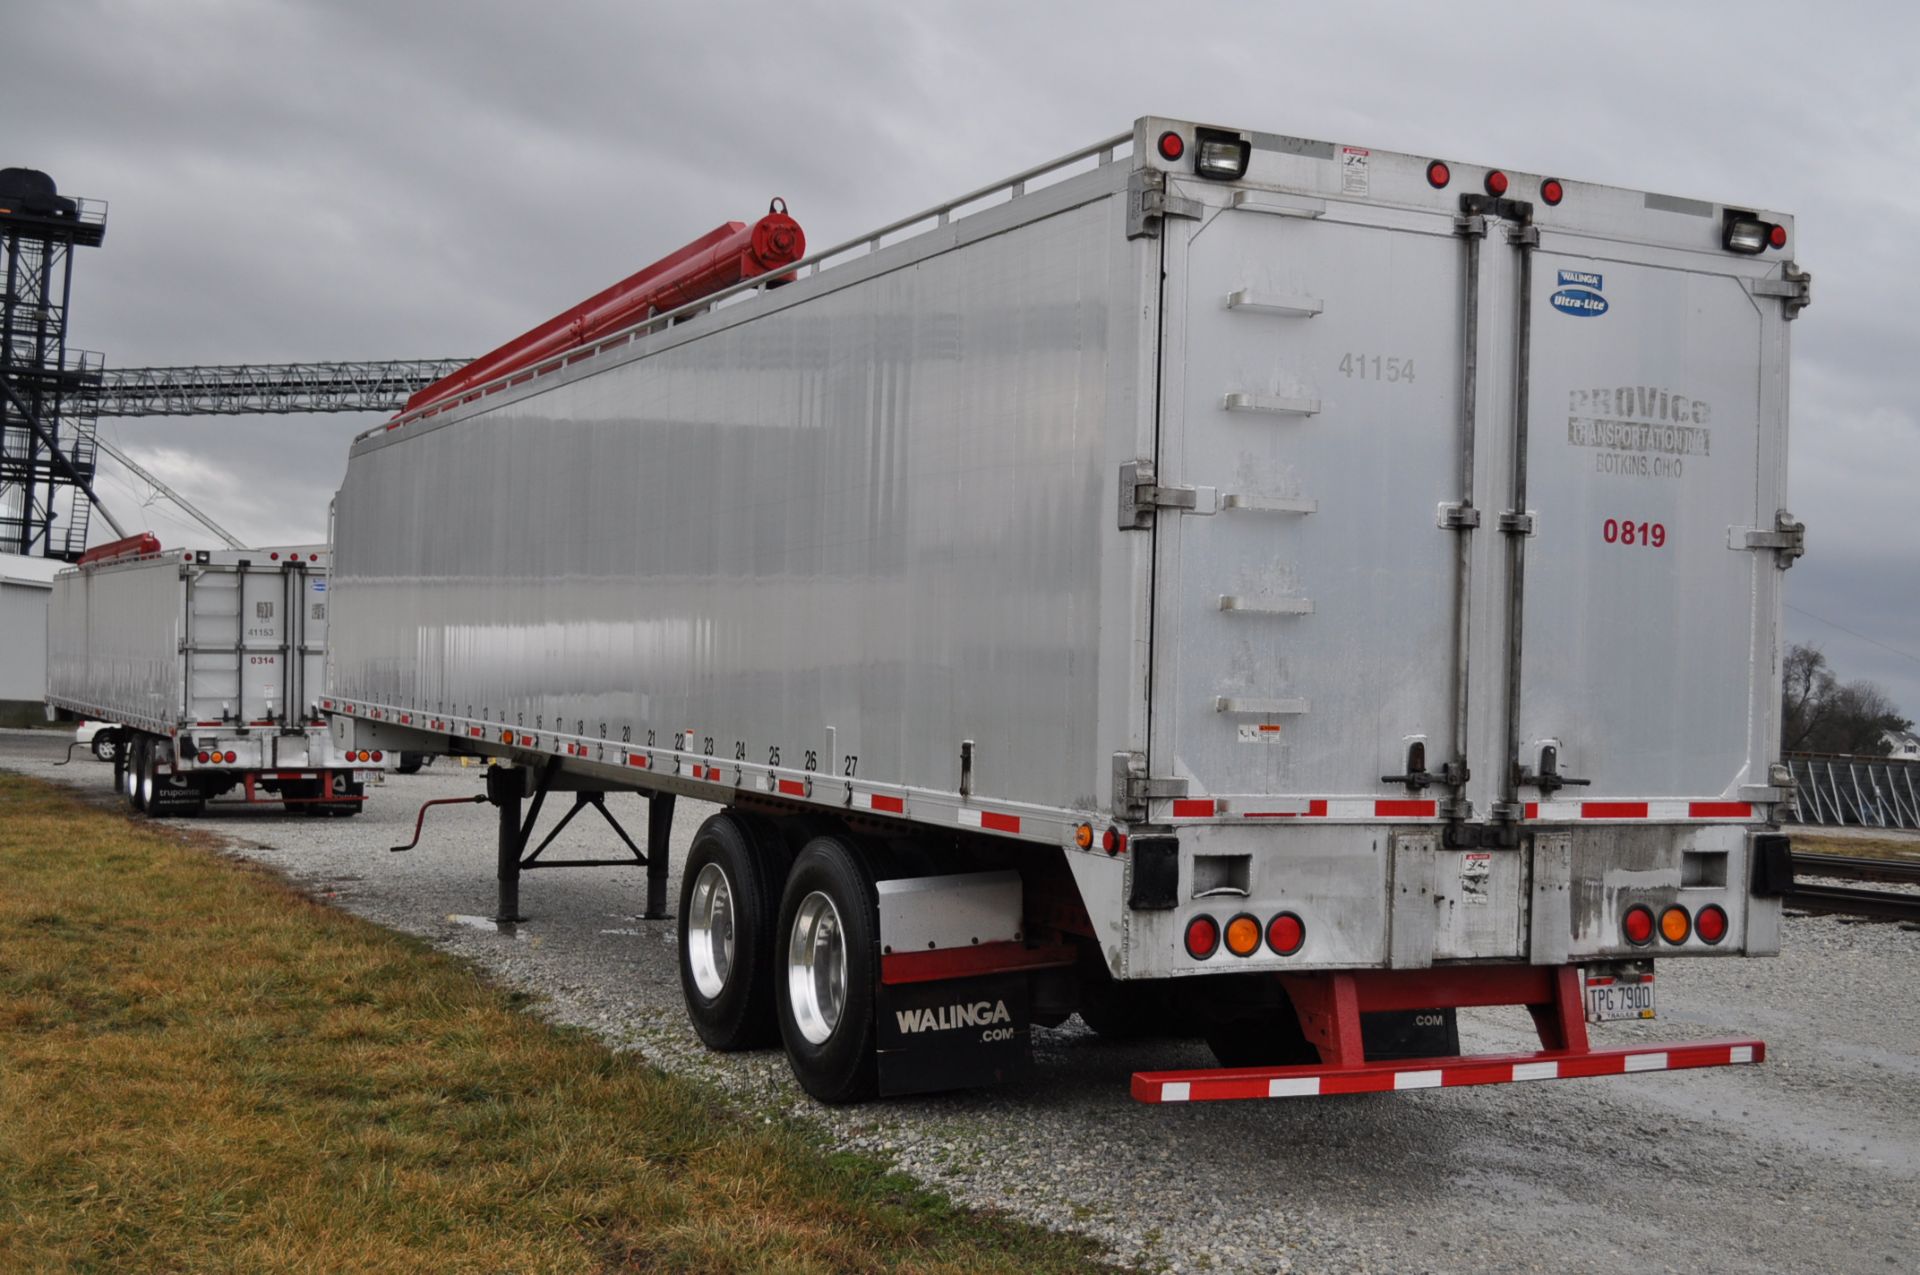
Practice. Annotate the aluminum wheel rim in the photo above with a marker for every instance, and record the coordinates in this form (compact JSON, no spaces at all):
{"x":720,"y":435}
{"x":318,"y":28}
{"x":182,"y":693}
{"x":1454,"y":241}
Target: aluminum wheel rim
{"x":817,"y":968}
{"x":710,"y":931}
{"x":146,"y":783}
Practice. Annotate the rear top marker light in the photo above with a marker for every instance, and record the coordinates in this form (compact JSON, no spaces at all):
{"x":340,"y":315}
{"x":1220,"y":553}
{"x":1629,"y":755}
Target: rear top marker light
{"x":1438,"y":174}
{"x":1552,"y":192}
{"x":1172,"y":145}
{"x":1496,"y":183}
{"x":1777,"y":236}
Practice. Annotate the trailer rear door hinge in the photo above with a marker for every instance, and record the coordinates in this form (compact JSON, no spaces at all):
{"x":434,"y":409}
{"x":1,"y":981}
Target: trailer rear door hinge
{"x":1141,"y":494}
{"x":1133,"y":788}
{"x":1459,"y":517}
{"x":1149,"y":203}
{"x":1517,"y":523}
{"x":1794,"y":287}
{"x":1787,"y":538}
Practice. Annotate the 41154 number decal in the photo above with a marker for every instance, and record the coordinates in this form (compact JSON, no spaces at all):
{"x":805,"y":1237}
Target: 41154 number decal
{"x":1652,"y":535}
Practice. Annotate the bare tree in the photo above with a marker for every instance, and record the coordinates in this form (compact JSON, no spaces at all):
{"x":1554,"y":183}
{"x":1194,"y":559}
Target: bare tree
{"x":1821,"y":714}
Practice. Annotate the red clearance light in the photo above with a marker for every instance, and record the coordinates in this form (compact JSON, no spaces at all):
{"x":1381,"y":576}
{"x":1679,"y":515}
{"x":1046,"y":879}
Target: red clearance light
{"x":1711,"y":924}
{"x":274,"y":556}
{"x":1286,"y":933}
{"x":1438,"y":174}
{"x":1637,"y":924}
{"x":1110,"y":841}
{"x":1496,"y":183}
{"x":1777,"y":236}
{"x":1203,"y":937}
{"x":1552,"y":192}
{"x":1172,"y":145}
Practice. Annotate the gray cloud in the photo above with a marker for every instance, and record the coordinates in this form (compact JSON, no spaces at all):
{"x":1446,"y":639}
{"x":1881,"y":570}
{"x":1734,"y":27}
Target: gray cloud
{"x":307,"y":181}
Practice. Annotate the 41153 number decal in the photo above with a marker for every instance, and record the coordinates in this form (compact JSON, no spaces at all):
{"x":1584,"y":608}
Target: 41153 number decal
{"x":1652,"y":535}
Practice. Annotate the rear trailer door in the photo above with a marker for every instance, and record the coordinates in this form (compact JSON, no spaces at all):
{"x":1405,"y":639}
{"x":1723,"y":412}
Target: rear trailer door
{"x":1304,"y":620}
{"x":1655,"y":412}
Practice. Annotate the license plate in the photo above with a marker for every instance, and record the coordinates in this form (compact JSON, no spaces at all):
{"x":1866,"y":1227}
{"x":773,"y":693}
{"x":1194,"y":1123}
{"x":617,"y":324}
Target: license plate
{"x":1610,"y":999}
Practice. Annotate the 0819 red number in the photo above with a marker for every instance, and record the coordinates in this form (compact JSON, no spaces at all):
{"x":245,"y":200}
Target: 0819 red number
{"x":1651,"y":534}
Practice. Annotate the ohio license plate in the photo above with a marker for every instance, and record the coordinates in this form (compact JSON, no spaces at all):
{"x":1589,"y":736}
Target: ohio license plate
{"x":1610,"y":999}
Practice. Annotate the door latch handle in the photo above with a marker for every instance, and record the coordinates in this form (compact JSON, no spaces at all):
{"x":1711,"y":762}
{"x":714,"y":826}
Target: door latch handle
{"x":1549,"y":779}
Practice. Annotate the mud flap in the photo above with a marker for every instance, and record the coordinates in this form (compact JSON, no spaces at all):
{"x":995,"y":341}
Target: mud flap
{"x":953,"y":1034}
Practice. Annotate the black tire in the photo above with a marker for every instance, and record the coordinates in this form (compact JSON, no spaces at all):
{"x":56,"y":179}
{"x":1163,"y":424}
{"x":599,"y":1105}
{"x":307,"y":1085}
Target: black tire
{"x":139,"y":772}
{"x":842,"y":1067}
{"x":120,"y":756}
{"x":1126,"y":1010}
{"x":1272,"y":1039}
{"x":410,"y":763}
{"x":103,"y":746}
{"x":735,"y":1009}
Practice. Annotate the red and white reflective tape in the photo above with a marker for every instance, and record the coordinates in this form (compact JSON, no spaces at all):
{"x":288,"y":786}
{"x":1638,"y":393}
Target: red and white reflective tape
{"x":709,"y":773}
{"x":1225,"y":1084}
{"x":880,"y":802}
{"x":641,"y":760}
{"x":987,"y":820}
{"x":1671,"y":811}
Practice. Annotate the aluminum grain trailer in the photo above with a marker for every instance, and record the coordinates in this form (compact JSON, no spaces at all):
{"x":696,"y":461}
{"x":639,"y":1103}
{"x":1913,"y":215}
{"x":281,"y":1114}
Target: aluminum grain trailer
{"x":210,"y":661}
{"x":1220,"y":582}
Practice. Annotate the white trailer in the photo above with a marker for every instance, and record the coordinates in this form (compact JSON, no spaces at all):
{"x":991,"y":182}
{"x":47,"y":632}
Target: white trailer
{"x":1220,"y":581}
{"x":209,"y":661}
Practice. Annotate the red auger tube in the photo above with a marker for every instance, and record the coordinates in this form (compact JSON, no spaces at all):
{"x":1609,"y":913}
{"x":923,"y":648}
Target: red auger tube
{"x":722,"y":257}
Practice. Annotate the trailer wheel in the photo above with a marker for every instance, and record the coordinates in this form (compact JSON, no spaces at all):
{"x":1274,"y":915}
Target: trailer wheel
{"x":139,"y":773}
{"x":121,"y":746}
{"x":729,"y":900}
{"x":1272,"y":1039}
{"x":829,"y":950}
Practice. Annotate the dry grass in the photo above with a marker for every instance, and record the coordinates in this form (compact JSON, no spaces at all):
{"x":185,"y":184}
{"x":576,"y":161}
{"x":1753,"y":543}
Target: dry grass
{"x":202,"y":1069}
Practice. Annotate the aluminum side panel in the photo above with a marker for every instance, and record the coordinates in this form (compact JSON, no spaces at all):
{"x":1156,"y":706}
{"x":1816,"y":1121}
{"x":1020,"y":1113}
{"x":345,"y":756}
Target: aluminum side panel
{"x":851,"y":532}
{"x":113,"y":643}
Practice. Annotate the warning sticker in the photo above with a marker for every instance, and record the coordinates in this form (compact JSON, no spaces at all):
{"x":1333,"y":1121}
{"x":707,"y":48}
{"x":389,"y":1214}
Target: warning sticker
{"x":1259,"y":733}
{"x":1353,"y":170}
{"x":1476,"y":873}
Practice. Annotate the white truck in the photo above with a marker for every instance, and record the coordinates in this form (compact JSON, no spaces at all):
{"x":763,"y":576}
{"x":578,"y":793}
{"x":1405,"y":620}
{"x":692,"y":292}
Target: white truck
{"x":208,"y":662}
{"x":1217,"y":582}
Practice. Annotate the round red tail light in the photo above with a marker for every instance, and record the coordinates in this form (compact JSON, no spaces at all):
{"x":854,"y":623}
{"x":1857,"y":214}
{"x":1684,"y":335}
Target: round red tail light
{"x":1285,"y":934}
{"x":1496,"y":183}
{"x":273,"y":557}
{"x":203,"y":757}
{"x":1711,"y":924}
{"x":232,"y":757}
{"x":1110,"y":841}
{"x":376,"y":754}
{"x":1438,"y":174}
{"x":1172,"y":145}
{"x":1637,"y":925}
{"x":1203,"y":937}
{"x":1777,"y":236}
{"x":1552,"y":192}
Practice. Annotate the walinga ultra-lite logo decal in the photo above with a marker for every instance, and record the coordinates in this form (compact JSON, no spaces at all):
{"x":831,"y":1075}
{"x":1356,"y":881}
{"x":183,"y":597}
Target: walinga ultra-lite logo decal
{"x":1579,"y":294}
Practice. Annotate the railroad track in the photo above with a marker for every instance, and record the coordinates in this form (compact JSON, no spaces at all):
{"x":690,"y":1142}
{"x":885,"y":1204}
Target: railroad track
{"x":1888,"y":905}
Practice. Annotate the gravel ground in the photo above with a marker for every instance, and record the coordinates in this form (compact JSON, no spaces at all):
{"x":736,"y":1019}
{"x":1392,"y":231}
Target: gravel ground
{"x":1810,"y":1162}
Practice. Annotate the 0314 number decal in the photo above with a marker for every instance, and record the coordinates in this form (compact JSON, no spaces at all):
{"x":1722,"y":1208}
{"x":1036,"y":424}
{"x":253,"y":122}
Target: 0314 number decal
{"x":1652,"y":535}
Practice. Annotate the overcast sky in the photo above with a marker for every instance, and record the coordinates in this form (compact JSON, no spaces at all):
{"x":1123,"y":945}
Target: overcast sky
{"x":369,"y":180}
